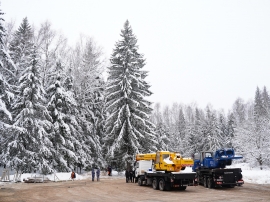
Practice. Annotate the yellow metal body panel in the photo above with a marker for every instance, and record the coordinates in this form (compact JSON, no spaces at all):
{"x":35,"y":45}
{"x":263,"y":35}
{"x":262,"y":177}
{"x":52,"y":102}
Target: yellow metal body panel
{"x":166,"y":161}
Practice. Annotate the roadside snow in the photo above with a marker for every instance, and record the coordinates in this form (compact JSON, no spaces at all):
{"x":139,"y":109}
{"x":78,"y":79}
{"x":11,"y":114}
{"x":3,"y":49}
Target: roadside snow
{"x":253,"y":175}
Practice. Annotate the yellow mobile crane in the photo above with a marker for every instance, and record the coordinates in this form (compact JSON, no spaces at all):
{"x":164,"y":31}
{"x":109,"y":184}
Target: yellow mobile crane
{"x":166,"y":161}
{"x":164,"y":170}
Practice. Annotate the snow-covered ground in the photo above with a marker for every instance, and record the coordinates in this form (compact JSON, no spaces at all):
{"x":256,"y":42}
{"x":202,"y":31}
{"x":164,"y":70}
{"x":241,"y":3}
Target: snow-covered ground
{"x":250,"y":175}
{"x":254,"y":175}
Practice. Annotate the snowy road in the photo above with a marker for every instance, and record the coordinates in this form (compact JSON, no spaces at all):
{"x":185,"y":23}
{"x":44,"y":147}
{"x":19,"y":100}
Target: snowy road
{"x":115,"y":189}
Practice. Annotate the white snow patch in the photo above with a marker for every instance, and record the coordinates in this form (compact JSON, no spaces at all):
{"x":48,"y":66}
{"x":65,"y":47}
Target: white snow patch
{"x":253,"y":175}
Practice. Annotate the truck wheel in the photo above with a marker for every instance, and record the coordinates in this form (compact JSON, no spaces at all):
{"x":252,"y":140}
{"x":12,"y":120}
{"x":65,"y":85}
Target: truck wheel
{"x":205,"y":182}
{"x":139,"y":181}
{"x":155,"y":183}
{"x":209,"y":183}
{"x":161,"y":185}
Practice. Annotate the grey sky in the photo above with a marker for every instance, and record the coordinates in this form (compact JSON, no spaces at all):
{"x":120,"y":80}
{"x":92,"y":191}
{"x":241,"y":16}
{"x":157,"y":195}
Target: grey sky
{"x":197,"y":51}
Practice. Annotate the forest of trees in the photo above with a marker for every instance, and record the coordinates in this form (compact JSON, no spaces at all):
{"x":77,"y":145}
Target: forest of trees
{"x":58,"y":112}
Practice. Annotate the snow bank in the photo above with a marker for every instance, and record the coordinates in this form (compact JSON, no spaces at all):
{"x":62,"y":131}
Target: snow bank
{"x":253,"y":175}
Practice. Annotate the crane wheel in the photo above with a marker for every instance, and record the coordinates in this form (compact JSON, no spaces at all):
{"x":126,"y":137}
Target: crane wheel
{"x":209,"y":183}
{"x":161,"y":185}
{"x":155,"y":183}
{"x":205,"y":182}
{"x":139,"y":181}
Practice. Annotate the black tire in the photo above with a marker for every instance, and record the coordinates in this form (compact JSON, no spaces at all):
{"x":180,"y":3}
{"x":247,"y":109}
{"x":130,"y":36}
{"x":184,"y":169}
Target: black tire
{"x":162,"y":186}
{"x":205,"y":182}
{"x":210,"y":183}
{"x":155,"y":184}
{"x":140,"y":181}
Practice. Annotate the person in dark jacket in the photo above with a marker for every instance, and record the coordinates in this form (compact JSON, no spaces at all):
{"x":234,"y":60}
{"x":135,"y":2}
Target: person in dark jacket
{"x":127,"y":173}
{"x":98,"y":173}
{"x":109,"y":170}
{"x":93,"y":174}
{"x":131,"y":176}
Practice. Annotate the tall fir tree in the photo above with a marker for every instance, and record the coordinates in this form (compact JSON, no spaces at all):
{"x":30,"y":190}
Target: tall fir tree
{"x":60,"y":107}
{"x":30,"y":149}
{"x":7,"y":67}
{"x":5,"y":88}
{"x":266,"y":101}
{"x":21,"y":46}
{"x":87,"y":69}
{"x":128,"y":129}
{"x":212,"y":131}
{"x":231,"y":125}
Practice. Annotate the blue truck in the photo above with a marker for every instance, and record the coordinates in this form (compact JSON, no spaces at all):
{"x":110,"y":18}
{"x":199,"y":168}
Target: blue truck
{"x":211,"y":171}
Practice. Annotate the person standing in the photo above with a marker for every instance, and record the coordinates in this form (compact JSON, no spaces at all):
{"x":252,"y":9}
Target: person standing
{"x":73,"y":175}
{"x":109,"y":171}
{"x":98,"y":173}
{"x":127,"y":175}
{"x":131,"y":175}
{"x":93,"y":174}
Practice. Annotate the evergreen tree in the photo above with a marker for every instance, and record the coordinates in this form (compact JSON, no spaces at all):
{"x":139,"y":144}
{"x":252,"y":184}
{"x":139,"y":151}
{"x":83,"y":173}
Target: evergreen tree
{"x":21,"y":46}
{"x":222,"y":125}
{"x":177,"y":142}
{"x":30,"y":149}
{"x":252,"y":138}
{"x":211,"y":131}
{"x":230,"y":131}
{"x":6,"y":95}
{"x":259,"y":108}
{"x":89,"y":87}
{"x":128,"y":129}
{"x":163,"y":141}
{"x":266,"y":101}
{"x":61,"y":106}
{"x":239,"y":111}
{"x":201,"y":140}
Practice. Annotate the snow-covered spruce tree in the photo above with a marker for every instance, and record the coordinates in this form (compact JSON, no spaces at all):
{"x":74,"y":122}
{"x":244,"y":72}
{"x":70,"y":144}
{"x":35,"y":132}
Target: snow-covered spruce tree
{"x":231,"y":125}
{"x":162,"y":131}
{"x":7,"y":68}
{"x":30,"y":149}
{"x":223,"y":133}
{"x":60,"y":106}
{"x":5,"y":94}
{"x":21,"y":46}
{"x":211,"y":130}
{"x":128,"y":129}
{"x":162,"y":134}
{"x":86,"y":147}
{"x":177,"y":126}
{"x":252,"y":138}
{"x":200,"y":139}
{"x":87,"y":68}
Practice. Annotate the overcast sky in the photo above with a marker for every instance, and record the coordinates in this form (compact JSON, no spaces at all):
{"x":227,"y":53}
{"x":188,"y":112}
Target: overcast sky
{"x":196,"y":51}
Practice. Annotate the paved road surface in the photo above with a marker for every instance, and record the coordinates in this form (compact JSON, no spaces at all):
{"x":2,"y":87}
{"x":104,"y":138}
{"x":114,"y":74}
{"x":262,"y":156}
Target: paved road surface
{"x":115,"y":189}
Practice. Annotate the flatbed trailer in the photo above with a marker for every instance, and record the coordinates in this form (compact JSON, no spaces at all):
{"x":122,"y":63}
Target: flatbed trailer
{"x":219,"y":177}
{"x":168,"y":180}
